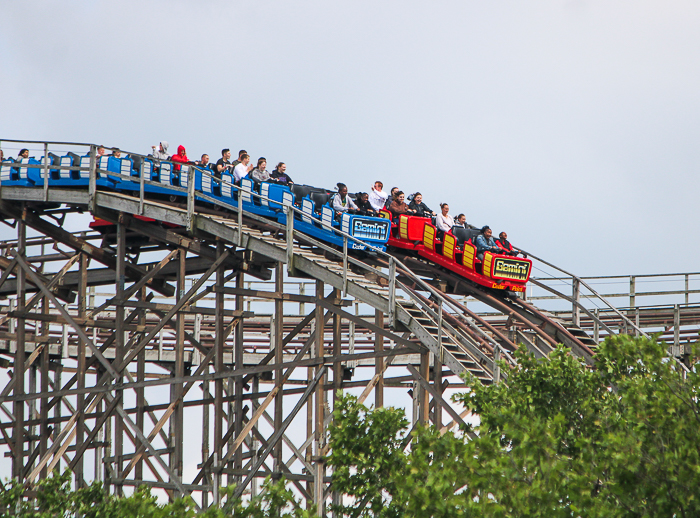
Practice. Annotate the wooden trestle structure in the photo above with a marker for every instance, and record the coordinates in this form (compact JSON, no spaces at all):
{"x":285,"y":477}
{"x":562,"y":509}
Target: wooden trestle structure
{"x":137,"y":352}
{"x":132,"y":358}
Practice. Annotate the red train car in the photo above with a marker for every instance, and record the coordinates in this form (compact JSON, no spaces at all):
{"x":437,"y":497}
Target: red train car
{"x":456,"y":252}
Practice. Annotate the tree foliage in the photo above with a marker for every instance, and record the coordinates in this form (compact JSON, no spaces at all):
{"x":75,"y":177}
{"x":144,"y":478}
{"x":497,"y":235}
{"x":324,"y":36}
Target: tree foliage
{"x":55,"y":499}
{"x":559,"y":440}
{"x":366,"y":455}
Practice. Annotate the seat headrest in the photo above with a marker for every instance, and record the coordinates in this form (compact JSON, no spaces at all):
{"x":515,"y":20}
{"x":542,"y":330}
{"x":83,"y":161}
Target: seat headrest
{"x":461,"y":234}
{"x":320,"y":199}
{"x":137,"y":160}
{"x":74,"y":157}
{"x":300,"y":192}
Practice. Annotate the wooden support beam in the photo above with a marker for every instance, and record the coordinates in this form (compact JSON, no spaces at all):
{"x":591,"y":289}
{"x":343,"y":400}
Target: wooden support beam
{"x":268,"y":400}
{"x":177,"y":429}
{"x":7,"y":265}
{"x":19,"y":368}
{"x":219,"y":383}
{"x":279,"y":358}
{"x":379,"y":366}
{"x":319,"y":405}
{"x":63,"y":236}
{"x":238,"y":345}
{"x":425,"y":384}
{"x":279,"y":432}
{"x":119,"y":352}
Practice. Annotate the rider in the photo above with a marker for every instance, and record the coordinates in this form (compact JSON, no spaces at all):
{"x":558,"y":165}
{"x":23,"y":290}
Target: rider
{"x":503,"y":243}
{"x":485,"y":243}
{"x":420,"y":207}
{"x":443,"y":221}
{"x":399,"y":206}
{"x":342,"y":202}
{"x":377,"y":197}
{"x":364,"y":207}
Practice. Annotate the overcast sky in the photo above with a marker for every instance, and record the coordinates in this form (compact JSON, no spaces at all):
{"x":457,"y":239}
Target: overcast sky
{"x":573,"y":125}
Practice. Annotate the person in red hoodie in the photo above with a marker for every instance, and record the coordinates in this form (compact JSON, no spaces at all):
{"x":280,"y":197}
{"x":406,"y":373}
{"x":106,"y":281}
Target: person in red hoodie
{"x":180,"y":158}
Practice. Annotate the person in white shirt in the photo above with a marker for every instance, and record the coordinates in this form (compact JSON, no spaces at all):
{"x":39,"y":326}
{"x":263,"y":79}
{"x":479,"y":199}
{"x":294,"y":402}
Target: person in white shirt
{"x":377,"y":197}
{"x":242,"y":169}
{"x":342,"y":202}
{"x":444,"y":221}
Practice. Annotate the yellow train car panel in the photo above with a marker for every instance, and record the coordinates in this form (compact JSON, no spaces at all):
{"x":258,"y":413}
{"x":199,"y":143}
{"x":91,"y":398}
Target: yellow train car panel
{"x":403,"y":227}
{"x":429,"y":237}
{"x":488,"y":261}
{"x":448,"y":246}
{"x":469,"y":256}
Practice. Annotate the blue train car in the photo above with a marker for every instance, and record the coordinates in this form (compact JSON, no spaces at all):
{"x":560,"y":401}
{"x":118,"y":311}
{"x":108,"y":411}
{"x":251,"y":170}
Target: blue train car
{"x":370,"y":230}
{"x":267,"y":199}
{"x":271,"y":204}
{"x":29,"y":172}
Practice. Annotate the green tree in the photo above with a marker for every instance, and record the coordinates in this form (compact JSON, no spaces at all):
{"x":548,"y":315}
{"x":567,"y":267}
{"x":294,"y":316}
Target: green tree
{"x":366,"y":456}
{"x":559,"y":439}
{"x":651,"y":454}
{"x":275,"y":500}
{"x":54,"y":498}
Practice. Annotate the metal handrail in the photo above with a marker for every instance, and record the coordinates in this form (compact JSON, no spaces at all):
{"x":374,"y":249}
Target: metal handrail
{"x":577,"y":304}
{"x":633,"y":280}
{"x":437,"y":318}
{"x":621,"y":276}
{"x":50,"y":142}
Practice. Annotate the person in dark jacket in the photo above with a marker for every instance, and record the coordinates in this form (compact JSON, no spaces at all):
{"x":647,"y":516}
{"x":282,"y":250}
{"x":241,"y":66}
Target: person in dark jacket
{"x":279,"y":174}
{"x":420,"y":207}
{"x":364,"y":207}
{"x":507,"y":248}
{"x":223,"y":165}
{"x":390,"y":199}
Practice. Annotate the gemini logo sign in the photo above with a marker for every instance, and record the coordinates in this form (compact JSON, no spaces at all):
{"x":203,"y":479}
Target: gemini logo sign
{"x":511,"y":269}
{"x":370,"y":229}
